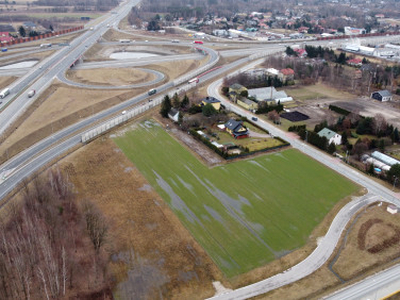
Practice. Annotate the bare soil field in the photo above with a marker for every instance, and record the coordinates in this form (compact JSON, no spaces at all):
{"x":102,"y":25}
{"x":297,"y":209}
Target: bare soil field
{"x":152,"y":256}
{"x":58,"y":107}
{"x":34,"y":56}
{"x":110,"y":76}
{"x":6,"y":81}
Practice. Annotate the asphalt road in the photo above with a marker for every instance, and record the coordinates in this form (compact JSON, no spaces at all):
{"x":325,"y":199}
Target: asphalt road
{"x":43,"y":152}
{"x":40,"y":78}
{"x":372,"y":288}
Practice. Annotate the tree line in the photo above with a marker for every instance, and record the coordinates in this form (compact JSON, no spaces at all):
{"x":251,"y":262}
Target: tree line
{"x":45,"y":247}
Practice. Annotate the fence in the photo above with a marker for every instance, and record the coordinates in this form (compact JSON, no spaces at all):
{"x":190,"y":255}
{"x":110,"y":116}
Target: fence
{"x":41,"y":36}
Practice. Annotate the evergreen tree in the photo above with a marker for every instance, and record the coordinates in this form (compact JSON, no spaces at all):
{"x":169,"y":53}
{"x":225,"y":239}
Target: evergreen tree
{"x":165,"y":107}
{"x":331,"y":148}
{"x":176,"y":101}
{"x":185,"y":101}
{"x":208,"y":110}
{"x":22,"y":31}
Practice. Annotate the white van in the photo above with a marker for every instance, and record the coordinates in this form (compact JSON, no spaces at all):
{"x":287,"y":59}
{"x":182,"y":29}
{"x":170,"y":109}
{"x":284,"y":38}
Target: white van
{"x":4,"y":93}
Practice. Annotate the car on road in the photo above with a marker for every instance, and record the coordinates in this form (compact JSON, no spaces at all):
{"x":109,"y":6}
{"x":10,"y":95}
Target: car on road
{"x":254,"y":119}
{"x":124,"y":112}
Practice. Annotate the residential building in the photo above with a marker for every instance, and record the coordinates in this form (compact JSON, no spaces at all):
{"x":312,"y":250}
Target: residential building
{"x":353,"y":31}
{"x":383,"y":95}
{"x":331,"y":136}
{"x":272,"y":72}
{"x":235,"y":90}
{"x":236,"y":129}
{"x":356,"y":62}
{"x":247,"y":103}
{"x":174,"y":114}
{"x":213,"y":101}
{"x":286,"y":74}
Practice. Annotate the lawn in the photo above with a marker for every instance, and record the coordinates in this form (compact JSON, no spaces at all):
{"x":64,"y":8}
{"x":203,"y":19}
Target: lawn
{"x":245,"y":214}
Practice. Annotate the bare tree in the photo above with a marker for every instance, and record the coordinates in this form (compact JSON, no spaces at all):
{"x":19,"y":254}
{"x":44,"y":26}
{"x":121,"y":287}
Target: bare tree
{"x":380,"y":123}
{"x":95,"y":225}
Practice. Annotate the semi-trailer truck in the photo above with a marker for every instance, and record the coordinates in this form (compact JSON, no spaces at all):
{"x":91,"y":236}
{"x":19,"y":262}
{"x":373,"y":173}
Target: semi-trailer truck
{"x":4,"y":93}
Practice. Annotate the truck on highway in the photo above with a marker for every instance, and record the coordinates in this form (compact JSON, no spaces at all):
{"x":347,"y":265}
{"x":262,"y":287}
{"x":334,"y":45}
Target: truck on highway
{"x":45,"y":45}
{"x":31,"y":93}
{"x":152,"y":92}
{"x":193,"y":80}
{"x":124,"y":41}
{"x":4,"y":93}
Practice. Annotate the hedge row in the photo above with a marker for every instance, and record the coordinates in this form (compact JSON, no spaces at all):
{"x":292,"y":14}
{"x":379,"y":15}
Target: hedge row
{"x":339,"y":110}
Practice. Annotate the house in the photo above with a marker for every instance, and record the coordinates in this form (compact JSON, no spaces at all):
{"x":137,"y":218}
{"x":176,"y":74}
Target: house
{"x":383,"y":95}
{"x":356,"y":62}
{"x":5,"y":37}
{"x":353,"y":31}
{"x":286,"y":74}
{"x":174,"y":114}
{"x":269,"y":94}
{"x":247,"y":103}
{"x":235,"y":90}
{"x":213,"y":101}
{"x":236,"y":129}
{"x":331,"y":136}
{"x":300,"y":52}
{"x":272,"y":72}
{"x":29,"y":25}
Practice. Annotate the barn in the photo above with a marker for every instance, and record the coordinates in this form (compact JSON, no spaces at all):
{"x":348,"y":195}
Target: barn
{"x":383,"y":95}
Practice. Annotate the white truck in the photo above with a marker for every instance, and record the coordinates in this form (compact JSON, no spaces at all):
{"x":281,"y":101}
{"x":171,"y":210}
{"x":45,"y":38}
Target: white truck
{"x":31,"y":93}
{"x":4,"y":93}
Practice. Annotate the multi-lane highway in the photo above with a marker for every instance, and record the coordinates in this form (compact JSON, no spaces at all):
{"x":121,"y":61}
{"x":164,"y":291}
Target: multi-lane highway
{"x":59,"y":62}
{"x":46,"y":150}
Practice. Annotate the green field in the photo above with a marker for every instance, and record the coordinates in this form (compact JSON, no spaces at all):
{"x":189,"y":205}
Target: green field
{"x":245,"y":213}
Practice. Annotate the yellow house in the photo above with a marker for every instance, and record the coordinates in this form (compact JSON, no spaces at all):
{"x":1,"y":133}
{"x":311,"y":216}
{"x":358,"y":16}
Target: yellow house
{"x":213,"y":101}
{"x":237,"y":88}
{"x":247,"y":103}
{"x":236,"y":129}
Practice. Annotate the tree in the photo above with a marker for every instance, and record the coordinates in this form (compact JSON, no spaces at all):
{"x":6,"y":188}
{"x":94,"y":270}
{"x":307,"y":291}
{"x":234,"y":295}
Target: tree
{"x":51,"y":27}
{"x":185,"y":101}
{"x":394,"y":172}
{"x":165,"y":107}
{"x":331,"y":148}
{"x":359,"y":148}
{"x":95,"y":225}
{"x":22,"y":31}
{"x":273,"y":116}
{"x":379,"y":124}
{"x":208,"y":110}
{"x":176,"y":103}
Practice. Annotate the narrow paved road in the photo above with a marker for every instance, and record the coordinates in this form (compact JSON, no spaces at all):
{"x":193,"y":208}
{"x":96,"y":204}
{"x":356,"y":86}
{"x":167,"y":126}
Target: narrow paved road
{"x":325,"y":248}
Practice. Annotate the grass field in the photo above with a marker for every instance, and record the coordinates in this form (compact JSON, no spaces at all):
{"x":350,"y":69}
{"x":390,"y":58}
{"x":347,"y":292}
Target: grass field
{"x":246,"y":213}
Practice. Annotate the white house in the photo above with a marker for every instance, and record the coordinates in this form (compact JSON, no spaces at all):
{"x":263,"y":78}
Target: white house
{"x":174,"y":114}
{"x":331,"y":136}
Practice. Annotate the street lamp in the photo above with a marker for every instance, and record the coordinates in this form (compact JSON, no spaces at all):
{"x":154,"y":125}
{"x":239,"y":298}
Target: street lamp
{"x":394,"y":181}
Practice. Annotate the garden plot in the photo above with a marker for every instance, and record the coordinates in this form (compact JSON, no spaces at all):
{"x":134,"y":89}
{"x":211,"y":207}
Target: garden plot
{"x":245,"y":214}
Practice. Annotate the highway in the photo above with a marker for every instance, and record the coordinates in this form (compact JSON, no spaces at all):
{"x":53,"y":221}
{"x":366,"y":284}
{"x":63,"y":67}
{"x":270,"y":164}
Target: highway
{"x":30,"y":160}
{"x":40,"y":79}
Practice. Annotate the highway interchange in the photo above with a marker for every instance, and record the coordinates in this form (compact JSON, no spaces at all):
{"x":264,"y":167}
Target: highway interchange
{"x":43,"y":152}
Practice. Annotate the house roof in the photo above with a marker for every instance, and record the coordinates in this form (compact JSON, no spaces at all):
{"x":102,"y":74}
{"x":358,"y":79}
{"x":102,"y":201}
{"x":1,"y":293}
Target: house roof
{"x":262,"y":94}
{"x":384,"y":93}
{"x":173,"y":112}
{"x":210,"y":100}
{"x":354,"y":61}
{"x":326,"y":132}
{"x":233,"y":124}
{"x":287,"y":71}
{"x":236,"y":86}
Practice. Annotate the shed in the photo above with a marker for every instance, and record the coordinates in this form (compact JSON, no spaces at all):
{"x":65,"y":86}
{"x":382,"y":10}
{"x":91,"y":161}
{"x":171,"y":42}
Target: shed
{"x":392,"y":209}
{"x":383,"y":95}
{"x":174,"y":114}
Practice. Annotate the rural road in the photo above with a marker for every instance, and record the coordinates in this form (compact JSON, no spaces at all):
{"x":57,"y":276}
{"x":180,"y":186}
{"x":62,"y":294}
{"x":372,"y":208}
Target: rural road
{"x":41,"y":153}
{"x":325,"y":248}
